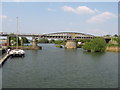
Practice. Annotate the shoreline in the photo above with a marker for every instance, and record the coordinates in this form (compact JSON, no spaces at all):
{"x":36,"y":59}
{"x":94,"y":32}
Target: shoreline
{"x":113,"y":49}
{"x":27,"y":47}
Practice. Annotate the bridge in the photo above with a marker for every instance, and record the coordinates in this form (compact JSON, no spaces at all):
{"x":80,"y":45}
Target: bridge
{"x":59,"y":35}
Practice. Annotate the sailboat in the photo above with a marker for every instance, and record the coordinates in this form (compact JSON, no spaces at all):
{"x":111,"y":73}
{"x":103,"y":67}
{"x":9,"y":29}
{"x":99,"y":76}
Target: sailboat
{"x":17,"y":52}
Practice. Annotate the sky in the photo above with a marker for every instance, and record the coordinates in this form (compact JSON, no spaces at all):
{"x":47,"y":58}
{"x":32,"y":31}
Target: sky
{"x":96,"y":18}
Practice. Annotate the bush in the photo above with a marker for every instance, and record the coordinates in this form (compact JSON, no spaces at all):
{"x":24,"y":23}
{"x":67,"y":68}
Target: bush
{"x":25,"y":40}
{"x":52,"y":41}
{"x":95,"y":45}
{"x":79,"y":45}
{"x":59,"y":46}
{"x":62,"y":42}
{"x":117,"y":40}
{"x":14,"y":40}
{"x":83,"y":40}
{"x":43,"y":40}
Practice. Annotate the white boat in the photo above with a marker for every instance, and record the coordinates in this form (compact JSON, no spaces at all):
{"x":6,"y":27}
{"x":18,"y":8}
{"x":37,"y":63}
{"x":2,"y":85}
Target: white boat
{"x":17,"y":52}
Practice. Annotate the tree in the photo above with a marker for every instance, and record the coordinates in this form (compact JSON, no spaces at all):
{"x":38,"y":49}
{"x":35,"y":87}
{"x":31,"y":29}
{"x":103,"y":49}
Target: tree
{"x":14,"y":40}
{"x":83,"y":40}
{"x":60,"y":42}
{"x":43,"y":40}
{"x":25,"y":40}
{"x":107,"y":35}
{"x":115,"y":35}
{"x":52,"y":41}
{"x":95,"y":45}
{"x":117,"y":40}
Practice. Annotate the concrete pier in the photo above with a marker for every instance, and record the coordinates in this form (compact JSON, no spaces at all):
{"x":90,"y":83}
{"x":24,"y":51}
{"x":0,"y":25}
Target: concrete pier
{"x":21,"y":41}
{"x":34,"y":42}
{"x":71,"y":44}
{"x":8,"y":40}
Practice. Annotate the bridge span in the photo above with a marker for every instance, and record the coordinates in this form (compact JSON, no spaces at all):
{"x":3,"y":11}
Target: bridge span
{"x":59,"y":35}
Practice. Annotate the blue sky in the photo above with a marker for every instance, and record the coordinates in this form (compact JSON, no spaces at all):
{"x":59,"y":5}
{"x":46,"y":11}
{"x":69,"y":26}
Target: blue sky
{"x":97,"y":18}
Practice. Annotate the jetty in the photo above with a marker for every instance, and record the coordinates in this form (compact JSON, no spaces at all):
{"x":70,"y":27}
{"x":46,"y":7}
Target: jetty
{"x":4,"y":58}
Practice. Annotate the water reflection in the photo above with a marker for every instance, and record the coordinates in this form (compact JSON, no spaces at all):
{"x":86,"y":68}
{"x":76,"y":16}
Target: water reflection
{"x":54,"y":67}
{"x":94,"y":54}
{"x":70,"y":50}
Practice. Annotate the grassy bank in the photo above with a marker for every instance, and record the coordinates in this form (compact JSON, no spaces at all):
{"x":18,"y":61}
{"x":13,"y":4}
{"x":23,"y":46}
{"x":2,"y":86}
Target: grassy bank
{"x":113,"y":49}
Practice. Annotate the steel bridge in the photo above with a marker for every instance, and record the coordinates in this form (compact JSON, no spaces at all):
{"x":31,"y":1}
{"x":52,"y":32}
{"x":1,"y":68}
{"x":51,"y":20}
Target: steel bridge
{"x":59,"y":35}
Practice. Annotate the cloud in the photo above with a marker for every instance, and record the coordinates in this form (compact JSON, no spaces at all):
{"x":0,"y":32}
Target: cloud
{"x":51,"y":9}
{"x":101,"y":17}
{"x":3,"y":16}
{"x":79,"y":10}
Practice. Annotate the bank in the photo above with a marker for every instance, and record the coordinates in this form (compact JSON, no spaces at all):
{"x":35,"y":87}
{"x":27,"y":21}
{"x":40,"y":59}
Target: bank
{"x":113,"y":49}
{"x":27,"y":47}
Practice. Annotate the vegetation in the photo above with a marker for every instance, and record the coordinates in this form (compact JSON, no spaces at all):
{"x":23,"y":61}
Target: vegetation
{"x":115,"y":35}
{"x":79,"y":45}
{"x":108,"y":35}
{"x":62,"y":42}
{"x":59,"y":46}
{"x":83,"y":40}
{"x":117,"y":40}
{"x":43,"y":40}
{"x":95,"y":45}
{"x":52,"y":41}
{"x":114,"y":44}
{"x":13,"y":41}
{"x":25,"y":40}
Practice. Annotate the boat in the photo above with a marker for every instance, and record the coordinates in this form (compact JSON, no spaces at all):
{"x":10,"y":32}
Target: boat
{"x":17,"y":52}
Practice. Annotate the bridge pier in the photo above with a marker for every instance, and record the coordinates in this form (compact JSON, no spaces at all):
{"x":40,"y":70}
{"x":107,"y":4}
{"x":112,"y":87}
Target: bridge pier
{"x":34,"y":42}
{"x":21,"y":42}
{"x":8,"y":40}
{"x":71,"y":44}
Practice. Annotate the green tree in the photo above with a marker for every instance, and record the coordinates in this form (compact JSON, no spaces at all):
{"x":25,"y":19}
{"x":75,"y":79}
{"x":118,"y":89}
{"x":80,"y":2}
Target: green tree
{"x":43,"y":40}
{"x":107,"y":35}
{"x":52,"y":41}
{"x":83,"y":40}
{"x":62,"y":42}
{"x":95,"y":45}
{"x":25,"y":40}
{"x":115,"y":35}
{"x":117,"y":40}
{"x":58,"y":41}
{"x":13,"y":39}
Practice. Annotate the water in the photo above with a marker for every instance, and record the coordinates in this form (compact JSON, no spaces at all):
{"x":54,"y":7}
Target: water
{"x":54,"y":67}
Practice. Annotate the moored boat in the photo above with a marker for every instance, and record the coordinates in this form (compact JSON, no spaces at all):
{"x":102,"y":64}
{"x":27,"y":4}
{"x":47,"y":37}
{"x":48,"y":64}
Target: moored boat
{"x":17,"y":52}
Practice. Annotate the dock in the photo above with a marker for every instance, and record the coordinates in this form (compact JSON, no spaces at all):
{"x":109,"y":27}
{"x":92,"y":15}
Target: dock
{"x":4,"y":58}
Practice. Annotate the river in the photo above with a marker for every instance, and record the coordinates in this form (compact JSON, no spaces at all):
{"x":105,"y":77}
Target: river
{"x":54,"y":67}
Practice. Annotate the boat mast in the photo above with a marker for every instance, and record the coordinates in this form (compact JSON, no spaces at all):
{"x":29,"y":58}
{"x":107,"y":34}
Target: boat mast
{"x":17,"y":33}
